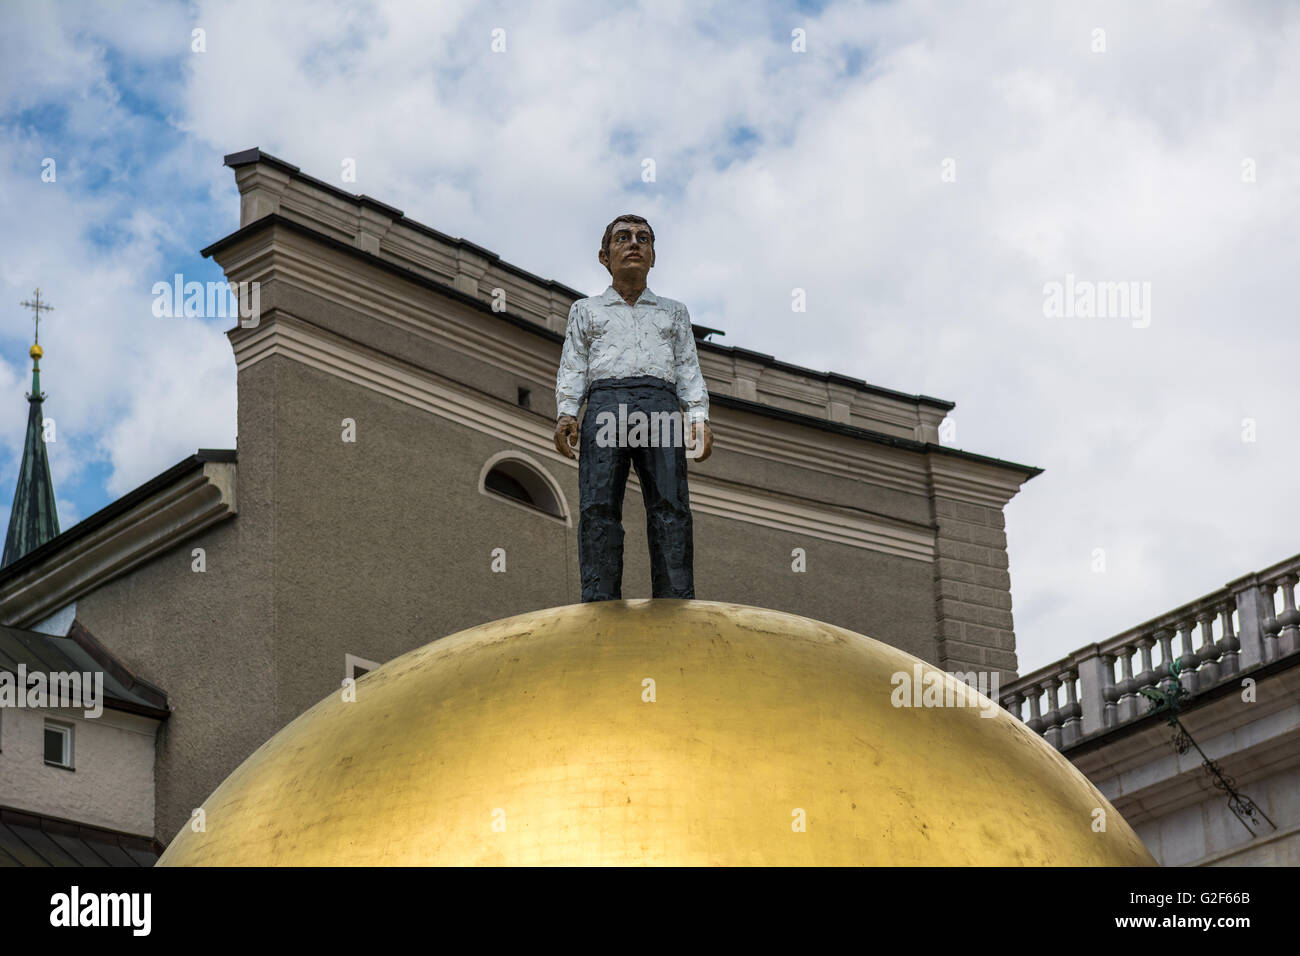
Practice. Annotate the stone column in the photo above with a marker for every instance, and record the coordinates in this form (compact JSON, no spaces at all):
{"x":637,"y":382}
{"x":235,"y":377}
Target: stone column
{"x":972,"y":580}
{"x":1254,"y":607}
{"x":973,"y":585}
{"x":1094,"y":678}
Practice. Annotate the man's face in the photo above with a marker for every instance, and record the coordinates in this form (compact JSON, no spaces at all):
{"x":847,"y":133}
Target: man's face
{"x":631,"y":251}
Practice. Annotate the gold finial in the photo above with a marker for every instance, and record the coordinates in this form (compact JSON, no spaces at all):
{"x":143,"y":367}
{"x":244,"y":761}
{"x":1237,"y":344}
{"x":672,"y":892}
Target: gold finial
{"x":36,"y":351}
{"x":37,"y":307}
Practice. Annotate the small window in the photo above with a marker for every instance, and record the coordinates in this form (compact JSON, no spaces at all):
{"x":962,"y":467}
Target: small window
{"x":525,"y":398}
{"x":524,"y":483}
{"x":503,"y":483}
{"x":58,"y":744}
{"x":355,"y":667}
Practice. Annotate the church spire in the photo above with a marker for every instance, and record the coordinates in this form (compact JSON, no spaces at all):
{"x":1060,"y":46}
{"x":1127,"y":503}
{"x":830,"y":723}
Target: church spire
{"x":34,"y":518}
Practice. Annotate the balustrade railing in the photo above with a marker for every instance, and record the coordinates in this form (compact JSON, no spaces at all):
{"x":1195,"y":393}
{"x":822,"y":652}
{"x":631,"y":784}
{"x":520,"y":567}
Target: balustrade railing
{"x":1247,"y":623}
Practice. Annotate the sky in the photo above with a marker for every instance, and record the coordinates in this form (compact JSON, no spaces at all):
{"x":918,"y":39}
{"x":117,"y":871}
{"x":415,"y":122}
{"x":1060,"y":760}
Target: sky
{"x":934,"y":176}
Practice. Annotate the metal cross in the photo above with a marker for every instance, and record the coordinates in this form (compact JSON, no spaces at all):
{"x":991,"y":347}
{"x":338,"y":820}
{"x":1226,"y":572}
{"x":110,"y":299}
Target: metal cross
{"x":37,"y":307}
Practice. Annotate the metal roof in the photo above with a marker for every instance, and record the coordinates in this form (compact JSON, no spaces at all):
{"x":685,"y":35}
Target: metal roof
{"x":80,"y":652}
{"x":110,"y":511}
{"x":30,"y":839}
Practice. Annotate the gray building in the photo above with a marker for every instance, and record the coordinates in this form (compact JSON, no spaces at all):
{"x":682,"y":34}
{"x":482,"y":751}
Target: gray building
{"x":76,"y":783}
{"x":395,"y":418}
{"x":1189,"y":723}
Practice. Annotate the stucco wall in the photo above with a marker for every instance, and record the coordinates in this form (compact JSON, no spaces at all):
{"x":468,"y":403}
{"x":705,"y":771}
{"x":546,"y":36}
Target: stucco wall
{"x":205,"y":638}
{"x":1209,"y":834}
{"x":112,"y":783}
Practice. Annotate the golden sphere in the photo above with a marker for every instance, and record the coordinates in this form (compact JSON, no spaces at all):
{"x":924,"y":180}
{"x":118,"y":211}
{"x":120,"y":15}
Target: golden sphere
{"x":660,"y":732}
{"x":35,"y":351}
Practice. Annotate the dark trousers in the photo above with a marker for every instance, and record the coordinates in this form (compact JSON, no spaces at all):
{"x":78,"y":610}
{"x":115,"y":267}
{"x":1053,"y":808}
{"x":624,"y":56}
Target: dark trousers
{"x":602,"y":477}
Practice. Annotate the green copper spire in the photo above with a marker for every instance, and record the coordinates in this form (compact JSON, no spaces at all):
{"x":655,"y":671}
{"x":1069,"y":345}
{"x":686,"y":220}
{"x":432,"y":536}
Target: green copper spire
{"x":34,"y":518}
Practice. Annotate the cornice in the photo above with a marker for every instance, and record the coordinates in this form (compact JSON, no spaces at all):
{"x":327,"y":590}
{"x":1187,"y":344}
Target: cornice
{"x":335,"y":275}
{"x":392,"y":296}
{"x":427,"y":256}
{"x":171,"y":514}
{"x":976,"y":480}
{"x":297,"y":340}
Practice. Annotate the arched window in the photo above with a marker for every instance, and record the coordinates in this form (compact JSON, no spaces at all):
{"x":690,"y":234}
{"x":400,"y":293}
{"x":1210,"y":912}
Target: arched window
{"x":519,"y":480}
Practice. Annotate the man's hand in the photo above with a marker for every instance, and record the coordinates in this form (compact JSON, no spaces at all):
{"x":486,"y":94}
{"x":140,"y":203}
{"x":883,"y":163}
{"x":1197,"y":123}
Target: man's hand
{"x":566,"y":436}
{"x":701,"y":446}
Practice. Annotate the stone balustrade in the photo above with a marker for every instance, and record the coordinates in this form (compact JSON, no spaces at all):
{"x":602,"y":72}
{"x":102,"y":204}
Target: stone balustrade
{"x":1249,"y":622}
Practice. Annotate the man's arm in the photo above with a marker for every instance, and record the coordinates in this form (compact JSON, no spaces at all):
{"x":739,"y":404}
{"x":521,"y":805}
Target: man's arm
{"x":571,"y":379}
{"x":691,"y":390}
{"x":570,"y":382}
{"x":692,"y":394}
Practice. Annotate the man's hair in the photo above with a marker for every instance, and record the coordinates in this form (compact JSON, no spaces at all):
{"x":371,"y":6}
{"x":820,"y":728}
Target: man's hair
{"x":609,"y":231}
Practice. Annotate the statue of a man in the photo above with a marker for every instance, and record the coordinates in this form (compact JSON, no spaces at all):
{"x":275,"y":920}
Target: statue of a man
{"x":631,"y":355}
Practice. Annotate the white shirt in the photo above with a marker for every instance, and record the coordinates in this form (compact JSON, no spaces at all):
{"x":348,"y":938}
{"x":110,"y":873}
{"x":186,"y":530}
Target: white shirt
{"x":607,"y":338}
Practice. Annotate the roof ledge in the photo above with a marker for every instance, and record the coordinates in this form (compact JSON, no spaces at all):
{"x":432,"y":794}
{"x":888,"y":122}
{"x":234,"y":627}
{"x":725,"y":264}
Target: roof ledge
{"x":159,"y":515}
{"x":102,"y":656}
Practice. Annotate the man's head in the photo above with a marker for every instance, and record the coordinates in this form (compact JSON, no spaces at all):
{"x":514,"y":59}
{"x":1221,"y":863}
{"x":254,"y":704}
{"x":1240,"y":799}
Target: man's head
{"x":628,"y":248}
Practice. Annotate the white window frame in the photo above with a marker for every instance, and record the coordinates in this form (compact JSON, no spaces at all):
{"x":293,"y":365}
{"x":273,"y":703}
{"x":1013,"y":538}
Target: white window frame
{"x":537,"y":475}
{"x":68,"y":741}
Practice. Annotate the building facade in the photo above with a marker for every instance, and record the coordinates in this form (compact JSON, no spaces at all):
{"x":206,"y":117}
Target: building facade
{"x":77,"y":753}
{"x":395,"y":481}
{"x":1189,"y":724}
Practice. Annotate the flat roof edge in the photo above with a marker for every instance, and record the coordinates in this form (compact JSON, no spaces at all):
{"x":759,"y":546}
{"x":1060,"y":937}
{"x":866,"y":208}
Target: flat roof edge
{"x":866,"y":434}
{"x":279,"y":219}
{"x":117,"y":507}
{"x":249,"y":157}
